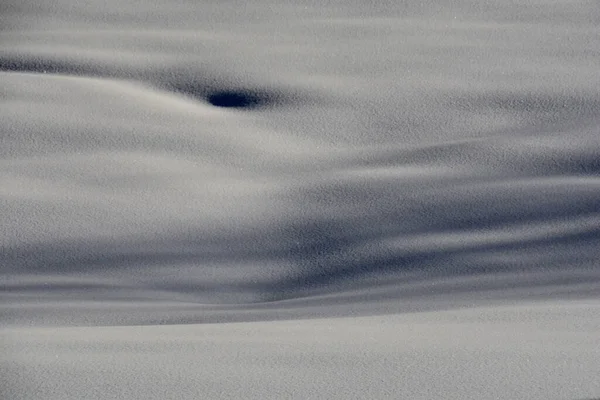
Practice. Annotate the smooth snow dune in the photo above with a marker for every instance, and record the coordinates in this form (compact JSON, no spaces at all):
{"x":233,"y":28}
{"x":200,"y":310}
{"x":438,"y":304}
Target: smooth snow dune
{"x":527,"y":351}
{"x":170,"y":162}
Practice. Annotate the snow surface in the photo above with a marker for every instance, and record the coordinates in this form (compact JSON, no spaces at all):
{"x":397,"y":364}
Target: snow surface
{"x":405,"y":204}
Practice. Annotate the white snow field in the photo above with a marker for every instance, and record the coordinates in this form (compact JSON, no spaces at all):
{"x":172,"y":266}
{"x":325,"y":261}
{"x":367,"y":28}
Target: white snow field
{"x":205,"y":199}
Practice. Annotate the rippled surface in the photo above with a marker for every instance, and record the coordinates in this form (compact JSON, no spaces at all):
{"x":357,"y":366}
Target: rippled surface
{"x":183,"y":162}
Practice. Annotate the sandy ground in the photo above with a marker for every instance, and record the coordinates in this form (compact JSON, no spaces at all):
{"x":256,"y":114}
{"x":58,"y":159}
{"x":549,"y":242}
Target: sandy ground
{"x":220,"y":199}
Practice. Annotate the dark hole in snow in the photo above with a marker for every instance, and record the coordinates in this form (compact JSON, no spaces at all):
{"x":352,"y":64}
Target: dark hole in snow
{"x":234,"y":99}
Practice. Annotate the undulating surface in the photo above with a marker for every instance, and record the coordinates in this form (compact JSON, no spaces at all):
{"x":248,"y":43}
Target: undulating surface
{"x":392,"y":199}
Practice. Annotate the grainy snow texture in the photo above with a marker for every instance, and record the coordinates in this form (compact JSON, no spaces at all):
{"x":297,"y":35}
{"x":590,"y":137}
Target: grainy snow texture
{"x":325,"y":200}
